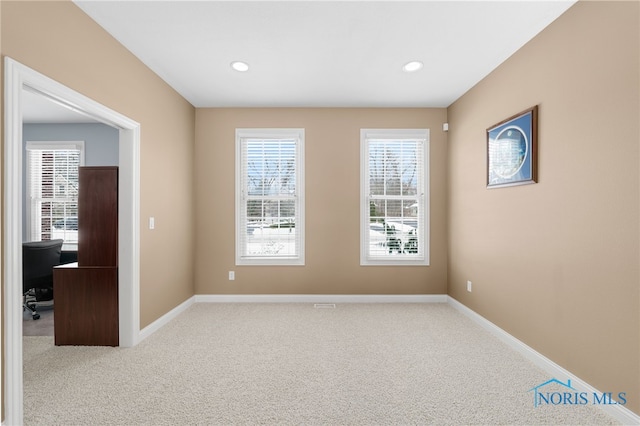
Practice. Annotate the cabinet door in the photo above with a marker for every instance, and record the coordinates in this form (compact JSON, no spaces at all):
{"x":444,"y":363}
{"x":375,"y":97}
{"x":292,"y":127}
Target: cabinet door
{"x":86,"y":310}
{"x":98,"y":216}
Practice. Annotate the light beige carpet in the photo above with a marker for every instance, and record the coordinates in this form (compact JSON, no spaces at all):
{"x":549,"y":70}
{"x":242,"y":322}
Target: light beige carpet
{"x":281,"y":364}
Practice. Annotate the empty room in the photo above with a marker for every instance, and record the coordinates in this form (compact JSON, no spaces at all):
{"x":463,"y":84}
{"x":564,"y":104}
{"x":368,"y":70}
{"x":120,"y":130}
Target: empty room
{"x":321,"y":212}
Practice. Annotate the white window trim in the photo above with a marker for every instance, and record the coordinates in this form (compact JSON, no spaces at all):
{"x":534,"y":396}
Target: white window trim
{"x":283,"y":133}
{"x":47,"y":145}
{"x":365,"y":134}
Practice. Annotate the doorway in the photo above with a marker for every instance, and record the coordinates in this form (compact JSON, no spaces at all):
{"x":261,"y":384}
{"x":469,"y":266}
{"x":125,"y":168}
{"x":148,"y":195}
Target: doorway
{"x":18,"y":79}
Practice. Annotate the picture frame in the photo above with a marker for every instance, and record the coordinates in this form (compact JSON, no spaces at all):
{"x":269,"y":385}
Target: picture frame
{"x":512,"y":150}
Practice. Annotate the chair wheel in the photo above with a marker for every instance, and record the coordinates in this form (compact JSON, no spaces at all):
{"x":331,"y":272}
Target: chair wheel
{"x":36,"y":316}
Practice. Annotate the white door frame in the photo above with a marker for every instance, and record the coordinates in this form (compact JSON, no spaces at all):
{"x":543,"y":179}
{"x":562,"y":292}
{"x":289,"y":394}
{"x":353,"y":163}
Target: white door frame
{"x":17,"y":78}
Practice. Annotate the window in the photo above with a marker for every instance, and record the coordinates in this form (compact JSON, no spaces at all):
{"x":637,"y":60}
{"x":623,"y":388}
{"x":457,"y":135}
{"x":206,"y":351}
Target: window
{"x":269,"y":197}
{"x":394,"y":197}
{"x":52,"y":191}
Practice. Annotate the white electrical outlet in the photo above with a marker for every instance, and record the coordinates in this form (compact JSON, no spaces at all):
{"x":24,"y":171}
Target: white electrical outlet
{"x":469,"y":286}
{"x":232,"y":275}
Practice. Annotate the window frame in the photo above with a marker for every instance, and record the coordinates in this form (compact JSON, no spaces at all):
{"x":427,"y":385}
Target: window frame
{"x":36,"y":234}
{"x":424,"y":235}
{"x":240,"y":221}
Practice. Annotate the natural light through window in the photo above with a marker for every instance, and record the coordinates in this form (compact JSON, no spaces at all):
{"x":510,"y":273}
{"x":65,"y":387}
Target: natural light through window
{"x":394,"y":197}
{"x":52,"y":191}
{"x":269,"y":196}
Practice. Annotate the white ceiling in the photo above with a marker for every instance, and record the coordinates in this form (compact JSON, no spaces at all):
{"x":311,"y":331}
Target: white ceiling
{"x":40,"y":109}
{"x":315,"y":53}
{"x":323,"y":53}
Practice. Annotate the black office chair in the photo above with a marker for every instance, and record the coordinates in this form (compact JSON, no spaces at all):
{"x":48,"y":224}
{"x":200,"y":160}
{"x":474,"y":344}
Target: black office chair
{"x":38,"y":260}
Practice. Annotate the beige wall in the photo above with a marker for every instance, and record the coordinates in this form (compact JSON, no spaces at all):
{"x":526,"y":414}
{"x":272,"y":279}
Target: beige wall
{"x":60,"y":41}
{"x":555,"y":264}
{"x":332,"y":173}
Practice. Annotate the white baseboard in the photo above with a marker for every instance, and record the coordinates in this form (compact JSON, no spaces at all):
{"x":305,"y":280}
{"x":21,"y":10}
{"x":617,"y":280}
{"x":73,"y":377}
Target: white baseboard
{"x":165,"y":319}
{"x":620,"y":413}
{"x":321,"y":298}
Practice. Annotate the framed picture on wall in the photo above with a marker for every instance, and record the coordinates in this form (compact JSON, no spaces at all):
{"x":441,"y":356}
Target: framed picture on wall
{"x":512,"y":150}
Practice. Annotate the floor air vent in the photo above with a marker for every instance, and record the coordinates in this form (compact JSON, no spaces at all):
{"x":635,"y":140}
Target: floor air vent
{"x":324,"y":305}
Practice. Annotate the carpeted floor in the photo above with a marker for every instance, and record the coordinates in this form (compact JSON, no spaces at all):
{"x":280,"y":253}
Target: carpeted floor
{"x":280,"y":364}
{"x":39,"y":327}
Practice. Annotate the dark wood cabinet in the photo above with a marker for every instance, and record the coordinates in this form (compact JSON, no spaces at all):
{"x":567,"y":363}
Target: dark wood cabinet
{"x":86,"y":305}
{"x":98,"y":216}
{"x":86,"y":292}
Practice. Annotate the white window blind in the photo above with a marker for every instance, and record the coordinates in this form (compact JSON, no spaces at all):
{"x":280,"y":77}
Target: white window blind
{"x":52,"y":191}
{"x":394,"y":186}
{"x":269,"y":196}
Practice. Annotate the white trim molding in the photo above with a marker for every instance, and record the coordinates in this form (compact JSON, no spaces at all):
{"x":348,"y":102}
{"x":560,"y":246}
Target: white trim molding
{"x":420,"y":200}
{"x":243,"y":195}
{"x":619,"y":412}
{"x":165,"y":319}
{"x":321,"y":298}
{"x":17,"y":79}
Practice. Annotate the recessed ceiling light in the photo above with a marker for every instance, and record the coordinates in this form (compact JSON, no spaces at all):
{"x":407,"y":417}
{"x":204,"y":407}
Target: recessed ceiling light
{"x":412,"y":66}
{"x":240,"y":66}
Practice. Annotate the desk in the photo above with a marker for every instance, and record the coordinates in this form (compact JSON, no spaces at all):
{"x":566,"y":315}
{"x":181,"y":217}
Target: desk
{"x":86,"y":305}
